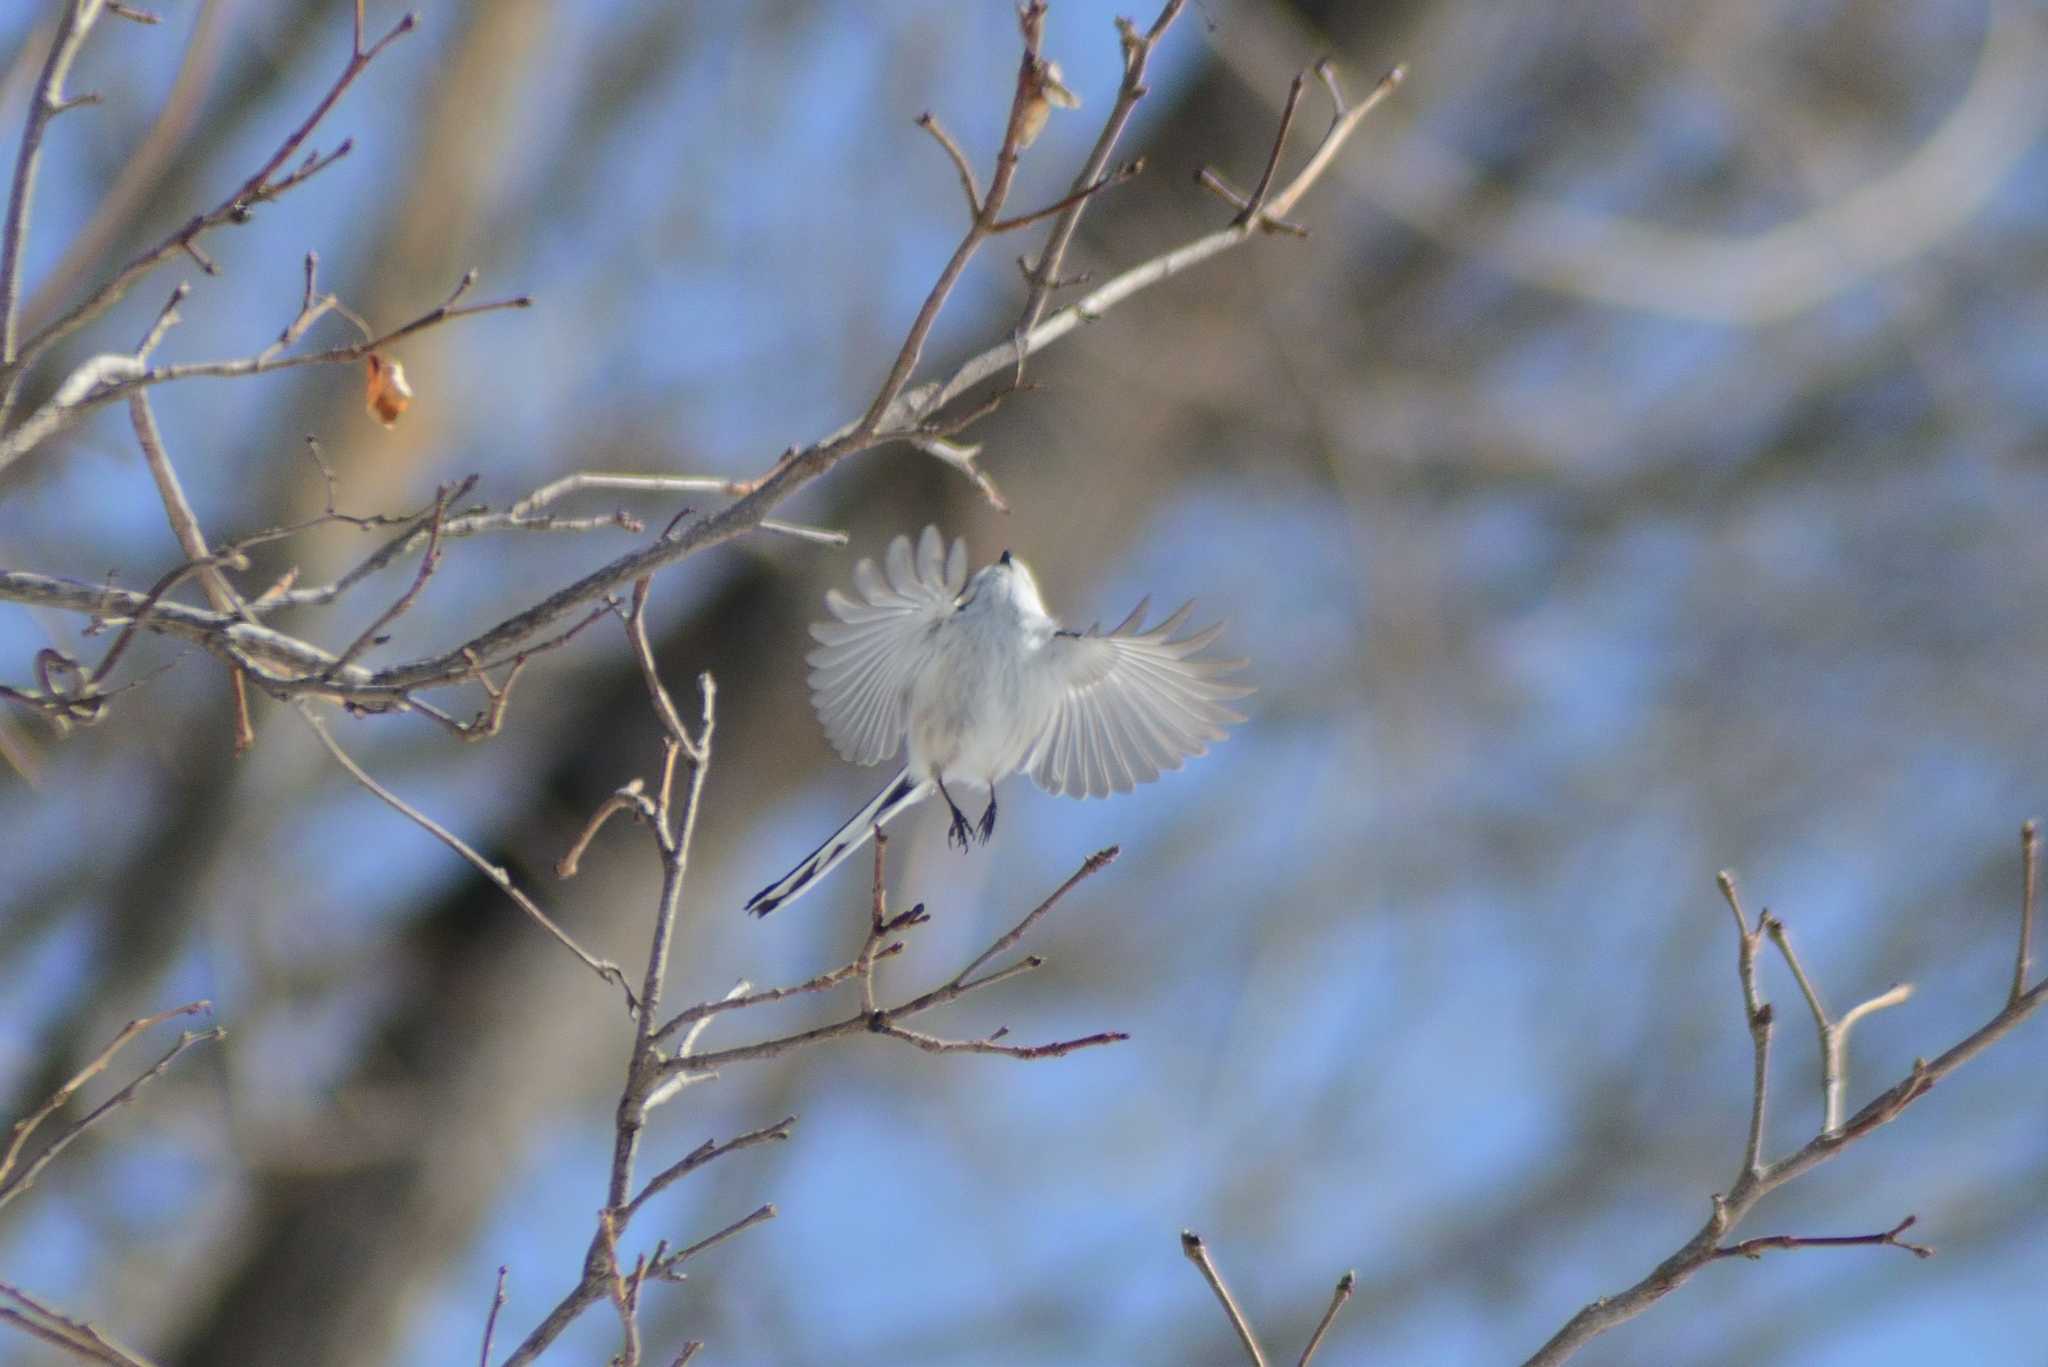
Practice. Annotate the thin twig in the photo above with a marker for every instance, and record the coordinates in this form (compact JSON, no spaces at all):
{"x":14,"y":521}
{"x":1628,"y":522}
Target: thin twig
{"x":1059,"y":206}
{"x":627,"y":799}
{"x":1198,"y":1253}
{"x":185,"y":523}
{"x":666,"y":1268}
{"x":101,"y":379}
{"x":2030,"y":860}
{"x":1833,"y":1034}
{"x":12,"y":1181}
{"x":1255,"y":204}
{"x":1754,"y":1249}
{"x":1345,"y":1285}
{"x":705,"y":1010}
{"x":887,"y":1021}
{"x":603,"y":968}
{"x":73,"y":24}
{"x":624,"y":1289}
{"x":704,"y":1153}
{"x":483,"y":1359}
{"x":148,"y":604}
{"x":68,"y":1332}
{"x":373,"y":634}
{"x":1031,"y":20}
{"x":257,"y":188}
{"x":1759,"y":1015}
{"x":1090,"y":866}
{"x":965,"y":168}
{"x":878,"y":924}
{"x":1044,"y":273}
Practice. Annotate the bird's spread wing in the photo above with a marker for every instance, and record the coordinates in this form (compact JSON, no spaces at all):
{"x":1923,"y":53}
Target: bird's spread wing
{"x":866,"y":660}
{"x":1129,"y":705}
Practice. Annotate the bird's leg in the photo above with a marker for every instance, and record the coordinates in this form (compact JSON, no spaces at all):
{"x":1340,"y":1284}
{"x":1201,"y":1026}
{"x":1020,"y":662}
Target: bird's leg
{"x":988,"y":818}
{"x":960,"y":833}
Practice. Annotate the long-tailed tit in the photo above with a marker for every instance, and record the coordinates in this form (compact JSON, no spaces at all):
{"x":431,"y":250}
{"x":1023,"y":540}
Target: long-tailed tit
{"x":983,"y":683}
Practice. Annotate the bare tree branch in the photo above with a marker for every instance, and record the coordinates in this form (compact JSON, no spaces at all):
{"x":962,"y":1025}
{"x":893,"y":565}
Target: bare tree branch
{"x":75,"y":1336}
{"x":264,"y":185}
{"x":887,"y":1021}
{"x":1758,"y":1178}
{"x":897,"y":412}
{"x":74,"y":23}
{"x":12,"y":1181}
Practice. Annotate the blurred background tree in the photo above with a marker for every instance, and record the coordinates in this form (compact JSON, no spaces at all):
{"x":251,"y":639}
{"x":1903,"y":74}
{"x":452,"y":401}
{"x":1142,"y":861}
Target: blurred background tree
{"x":1637,"y":472}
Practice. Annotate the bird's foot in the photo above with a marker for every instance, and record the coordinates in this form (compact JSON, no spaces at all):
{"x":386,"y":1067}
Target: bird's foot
{"x":960,"y":833}
{"x":987,"y":827}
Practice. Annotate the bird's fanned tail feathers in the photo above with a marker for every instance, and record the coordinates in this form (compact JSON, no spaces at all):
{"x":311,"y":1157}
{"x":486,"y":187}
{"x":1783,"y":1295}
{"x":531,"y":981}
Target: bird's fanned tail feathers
{"x":900,"y":792}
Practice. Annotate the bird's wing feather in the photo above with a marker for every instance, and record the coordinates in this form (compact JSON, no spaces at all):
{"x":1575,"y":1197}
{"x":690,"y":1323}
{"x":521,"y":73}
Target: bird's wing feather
{"x":868,"y":657}
{"x":1130,"y":704}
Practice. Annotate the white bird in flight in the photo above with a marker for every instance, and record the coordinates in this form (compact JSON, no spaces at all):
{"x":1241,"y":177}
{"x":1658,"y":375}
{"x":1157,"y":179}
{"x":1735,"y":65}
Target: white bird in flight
{"x":983,"y":683}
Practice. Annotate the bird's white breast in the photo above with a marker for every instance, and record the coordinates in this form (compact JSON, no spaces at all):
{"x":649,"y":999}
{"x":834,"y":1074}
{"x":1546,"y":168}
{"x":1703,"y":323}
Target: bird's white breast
{"x":974,"y":714}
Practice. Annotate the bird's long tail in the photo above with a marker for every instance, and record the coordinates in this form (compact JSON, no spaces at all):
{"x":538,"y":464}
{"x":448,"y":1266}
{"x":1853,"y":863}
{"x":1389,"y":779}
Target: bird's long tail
{"x":900,"y":792}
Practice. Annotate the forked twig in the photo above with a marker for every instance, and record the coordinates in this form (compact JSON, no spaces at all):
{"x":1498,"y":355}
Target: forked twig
{"x":1754,"y":1249}
{"x":15,"y":1179}
{"x":1758,"y":1178}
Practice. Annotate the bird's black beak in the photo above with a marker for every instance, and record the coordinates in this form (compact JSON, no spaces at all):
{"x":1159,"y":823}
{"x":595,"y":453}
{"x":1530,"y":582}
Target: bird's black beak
{"x":1003,"y":559}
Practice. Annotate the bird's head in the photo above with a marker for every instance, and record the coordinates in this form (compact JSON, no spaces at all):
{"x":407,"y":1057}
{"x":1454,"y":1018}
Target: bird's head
{"x":1005,"y":586}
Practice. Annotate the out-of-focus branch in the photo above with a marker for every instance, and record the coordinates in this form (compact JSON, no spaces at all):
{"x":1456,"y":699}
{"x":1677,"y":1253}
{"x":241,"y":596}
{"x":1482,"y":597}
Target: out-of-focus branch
{"x":1740,"y":278}
{"x":665,"y":484}
{"x":185,"y":523}
{"x":39,"y":1319}
{"x":1758,"y":1178}
{"x":73,"y":25}
{"x":100,"y":380}
{"x":142,"y":168}
{"x":264,"y":185}
{"x":14,"y":1178}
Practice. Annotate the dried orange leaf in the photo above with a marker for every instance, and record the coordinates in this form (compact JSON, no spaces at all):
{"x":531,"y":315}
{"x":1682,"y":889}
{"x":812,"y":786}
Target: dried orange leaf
{"x":387,"y":393}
